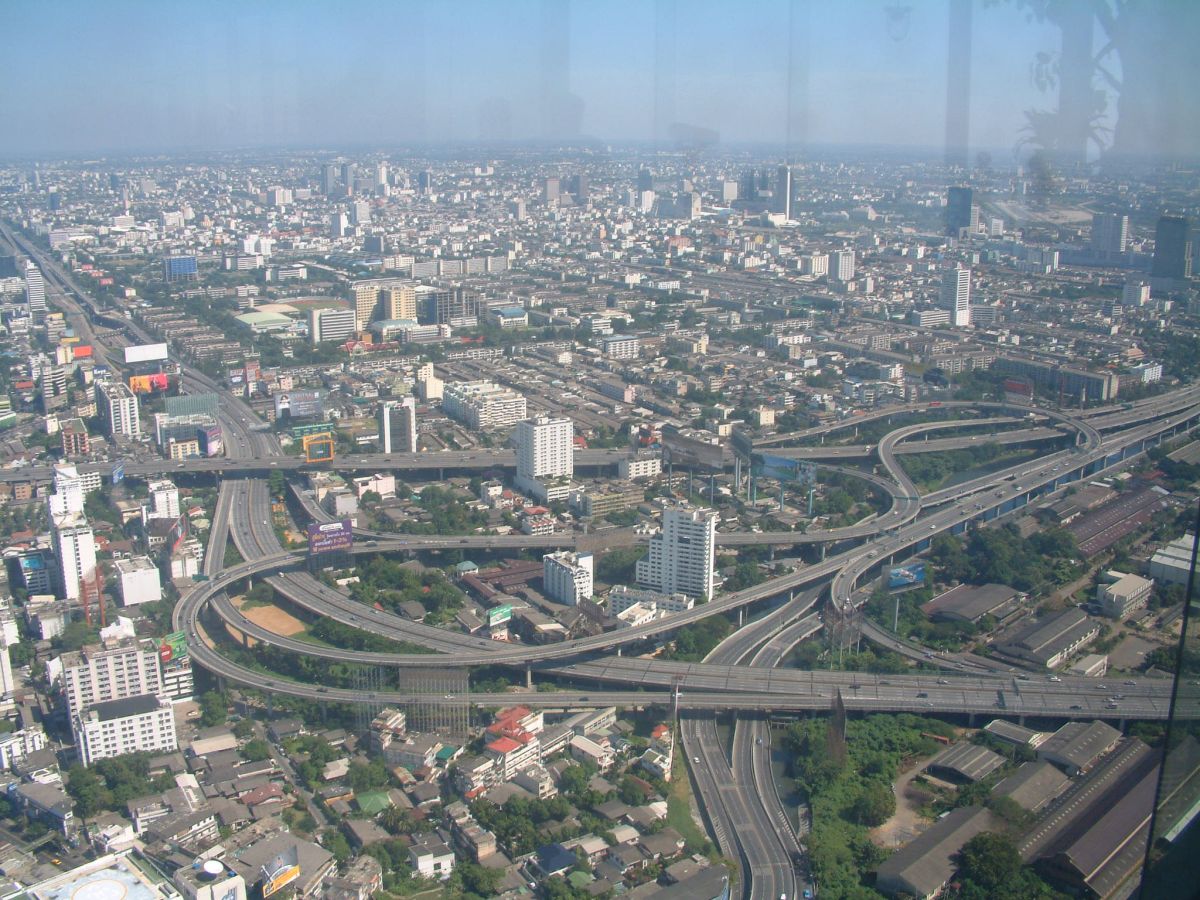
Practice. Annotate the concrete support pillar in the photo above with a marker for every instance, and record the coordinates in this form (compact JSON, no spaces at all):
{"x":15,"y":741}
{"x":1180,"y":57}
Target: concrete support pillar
{"x":528,"y":676}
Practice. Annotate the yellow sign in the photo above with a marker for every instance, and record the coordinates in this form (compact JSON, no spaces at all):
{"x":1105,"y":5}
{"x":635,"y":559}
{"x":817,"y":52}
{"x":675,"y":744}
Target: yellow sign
{"x":318,"y":447}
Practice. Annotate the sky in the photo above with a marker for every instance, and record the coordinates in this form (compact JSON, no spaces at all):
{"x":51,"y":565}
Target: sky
{"x":133,"y":76}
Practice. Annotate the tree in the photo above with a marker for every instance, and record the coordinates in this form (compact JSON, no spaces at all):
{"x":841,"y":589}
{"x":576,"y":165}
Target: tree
{"x":476,"y":879}
{"x":256,"y":750}
{"x":874,"y":805}
{"x":989,"y":860}
{"x":90,"y":794}
{"x":214,"y":707}
{"x":335,"y":842}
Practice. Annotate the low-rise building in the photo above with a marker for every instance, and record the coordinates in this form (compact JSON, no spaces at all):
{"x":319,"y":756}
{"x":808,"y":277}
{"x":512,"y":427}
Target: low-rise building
{"x":1120,"y":594}
{"x":430,"y":856}
{"x":1051,"y":641}
{"x":1077,"y":746}
{"x":922,"y":867}
{"x":1173,"y":563}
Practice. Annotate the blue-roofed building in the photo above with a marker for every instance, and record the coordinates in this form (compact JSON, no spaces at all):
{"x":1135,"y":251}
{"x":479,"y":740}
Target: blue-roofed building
{"x":555,"y":859}
{"x":509,"y":317}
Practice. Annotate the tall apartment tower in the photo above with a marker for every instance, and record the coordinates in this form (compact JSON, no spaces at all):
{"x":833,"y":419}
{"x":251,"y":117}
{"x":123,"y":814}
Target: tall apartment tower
{"x":114,"y":670}
{"x":70,"y":492}
{"x":74,"y":547}
{"x":956,"y":295}
{"x":783,"y":191}
{"x":682,"y":558}
{"x":118,"y":408}
{"x":545,"y":448}
{"x":35,"y":293}
{"x":1110,"y":235}
{"x":164,"y":499}
{"x":400,"y":301}
{"x":842,"y":265}
{"x":398,"y":426}
{"x":1172,"y":248}
{"x":567,"y":577}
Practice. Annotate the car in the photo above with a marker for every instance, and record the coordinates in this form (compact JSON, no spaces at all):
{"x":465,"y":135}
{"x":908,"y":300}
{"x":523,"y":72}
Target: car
{"x":696,"y":760}
{"x":1055,"y":678}
{"x":1111,"y":705}
{"x":1076,"y":706}
{"x":758,"y":742}
{"x":943,"y":681}
{"x":1131,"y":682}
{"x":322,"y":690}
{"x":449,"y":696}
{"x":923,"y":694}
{"x":932,"y":527}
{"x":807,"y":894}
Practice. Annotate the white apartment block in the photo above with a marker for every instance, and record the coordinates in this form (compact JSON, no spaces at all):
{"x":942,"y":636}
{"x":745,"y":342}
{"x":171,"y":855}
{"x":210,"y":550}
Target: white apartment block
{"x":620,"y":346}
{"x":331,"y":325}
{"x":164,"y":500}
{"x":956,"y":295}
{"x":75,"y":549}
{"x":143,"y":723}
{"x":681,"y":558}
{"x":16,"y":745}
{"x":630,"y":468}
{"x":483,"y":405}
{"x":567,"y":576}
{"x":110,"y":671}
{"x":841,"y":265}
{"x":118,"y":407}
{"x":138,"y":580}
{"x":545,"y":448}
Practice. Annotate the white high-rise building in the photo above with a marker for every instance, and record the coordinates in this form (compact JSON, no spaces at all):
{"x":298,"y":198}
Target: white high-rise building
{"x":398,"y":426}
{"x":113,"y":670}
{"x":567,"y":576}
{"x":7,"y":685}
{"x":75,"y":549}
{"x":483,"y":405}
{"x":35,"y":293}
{"x":70,"y":492}
{"x":331,"y":325}
{"x":164,"y":500}
{"x":141,"y":724}
{"x":682,"y":558}
{"x":841,"y":265}
{"x":545,"y":448}
{"x":545,"y":457}
{"x":118,"y":407}
{"x":956,"y":295}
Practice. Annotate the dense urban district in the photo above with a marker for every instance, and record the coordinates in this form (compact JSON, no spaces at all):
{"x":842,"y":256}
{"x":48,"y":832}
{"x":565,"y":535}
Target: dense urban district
{"x":594,"y":524}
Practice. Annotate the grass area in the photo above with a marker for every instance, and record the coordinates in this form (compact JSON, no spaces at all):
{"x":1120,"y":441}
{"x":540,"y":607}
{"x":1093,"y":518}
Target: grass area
{"x":679,"y":806}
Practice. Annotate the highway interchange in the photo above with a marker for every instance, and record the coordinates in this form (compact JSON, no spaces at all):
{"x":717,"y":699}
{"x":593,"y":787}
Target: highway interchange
{"x":737,"y":792}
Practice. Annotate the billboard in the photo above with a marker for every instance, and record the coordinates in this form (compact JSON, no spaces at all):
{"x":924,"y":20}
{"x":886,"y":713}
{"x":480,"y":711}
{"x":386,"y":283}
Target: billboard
{"x":690,"y":452}
{"x":318,"y":447}
{"x":498,"y":615}
{"x":173,"y":646}
{"x":324,"y":537}
{"x":298,"y":405}
{"x":281,"y":871}
{"x":764,"y":465}
{"x":148,"y":384}
{"x":209,"y":437}
{"x":906,"y":576}
{"x":145,"y":353}
{"x":118,"y":472}
{"x":178,"y":533}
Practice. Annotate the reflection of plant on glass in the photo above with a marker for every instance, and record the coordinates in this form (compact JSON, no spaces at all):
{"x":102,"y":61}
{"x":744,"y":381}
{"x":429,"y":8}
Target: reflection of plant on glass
{"x":1082,"y":76}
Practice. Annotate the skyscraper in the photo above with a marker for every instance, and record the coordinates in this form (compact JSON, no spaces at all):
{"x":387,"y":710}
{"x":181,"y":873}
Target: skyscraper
{"x":111,"y":671}
{"x":1110,"y":235}
{"x":118,"y":409}
{"x":961,"y":212}
{"x":349,"y":173}
{"x":783,"y":191}
{"x":398,"y":426}
{"x":956,"y":295}
{"x":35,"y":293}
{"x":329,"y":179}
{"x":551,"y":189}
{"x":681,"y":558}
{"x":1172,"y":248}
{"x":567,"y":577}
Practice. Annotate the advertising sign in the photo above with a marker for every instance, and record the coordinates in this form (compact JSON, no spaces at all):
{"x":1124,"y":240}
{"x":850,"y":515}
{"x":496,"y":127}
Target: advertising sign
{"x":499,"y":615}
{"x":764,"y":465}
{"x":281,"y":871}
{"x":326,"y":536}
{"x":906,"y":576}
{"x":118,"y":472}
{"x":148,"y":384}
{"x":178,"y":533}
{"x":298,"y":405}
{"x":145,"y":353}
{"x":689,"y":452}
{"x":173,"y":646}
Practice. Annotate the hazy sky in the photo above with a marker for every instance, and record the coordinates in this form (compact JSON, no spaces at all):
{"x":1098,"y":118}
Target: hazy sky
{"x":90,"y":77}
